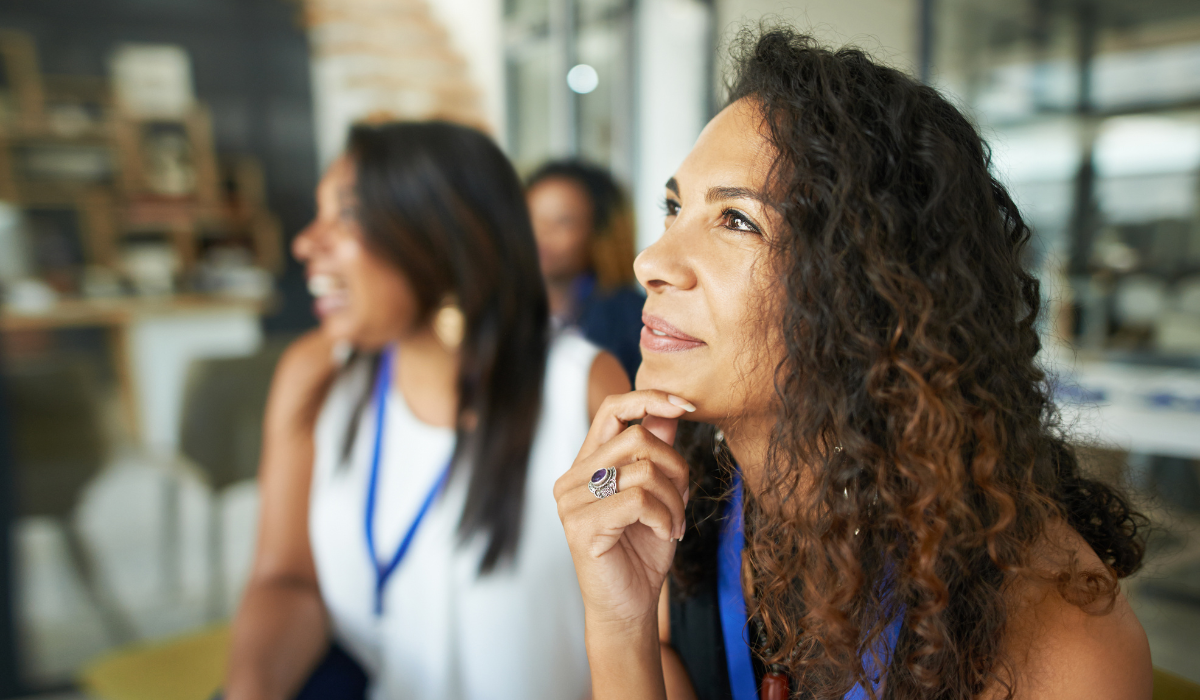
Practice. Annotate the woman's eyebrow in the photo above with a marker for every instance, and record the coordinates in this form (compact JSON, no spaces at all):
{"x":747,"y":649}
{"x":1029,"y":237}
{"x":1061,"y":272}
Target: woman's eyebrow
{"x":717,"y":194}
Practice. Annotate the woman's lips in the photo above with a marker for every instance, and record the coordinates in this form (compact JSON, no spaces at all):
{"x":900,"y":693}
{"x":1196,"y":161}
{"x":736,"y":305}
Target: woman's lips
{"x":329,"y":304}
{"x":660,"y":336}
{"x":329,"y":297}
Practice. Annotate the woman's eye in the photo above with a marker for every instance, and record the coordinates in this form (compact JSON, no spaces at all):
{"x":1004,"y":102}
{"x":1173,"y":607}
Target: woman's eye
{"x":738,"y":221}
{"x":671,"y":207}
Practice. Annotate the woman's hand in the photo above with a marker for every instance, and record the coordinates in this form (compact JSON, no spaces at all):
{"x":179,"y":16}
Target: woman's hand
{"x":623,"y":545}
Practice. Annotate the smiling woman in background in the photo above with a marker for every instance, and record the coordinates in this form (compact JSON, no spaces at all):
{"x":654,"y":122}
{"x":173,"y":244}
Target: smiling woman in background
{"x":584,"y":230}
{"x":879,"y":502}
{"x":405,"y":494}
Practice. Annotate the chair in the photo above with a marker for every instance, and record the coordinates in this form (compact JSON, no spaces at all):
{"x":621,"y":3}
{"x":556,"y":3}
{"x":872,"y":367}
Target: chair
{"x":1168,"y":686}
{"x":57,"y":433}
{"x":60,"y":446}
{"x":223,"y":407}
{"x":221,"y":432}
{"x":191,"y":667}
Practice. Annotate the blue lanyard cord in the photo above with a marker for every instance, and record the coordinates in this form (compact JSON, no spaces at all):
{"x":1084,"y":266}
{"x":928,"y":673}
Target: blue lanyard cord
{"x":732,"y":603}
{"x":384,"y":570}
{"x":883,"y":649}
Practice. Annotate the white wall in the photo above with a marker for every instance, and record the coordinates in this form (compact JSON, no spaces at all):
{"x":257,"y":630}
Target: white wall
{"x":886,"y":28}
{"x":476,"y":29}
{"x":398,"y":57}
{"x":672,"y":58}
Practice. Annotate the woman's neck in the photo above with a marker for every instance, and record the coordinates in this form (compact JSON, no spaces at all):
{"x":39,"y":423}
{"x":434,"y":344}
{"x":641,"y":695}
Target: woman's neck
{"x":559,"y":294}
{"x":748,"y":441}
{"x":426,"y":375}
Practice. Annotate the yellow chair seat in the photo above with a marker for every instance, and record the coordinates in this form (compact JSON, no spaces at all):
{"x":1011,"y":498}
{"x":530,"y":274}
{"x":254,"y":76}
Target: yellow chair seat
{"x":1168,"y":686}
{"x":191,"y":667}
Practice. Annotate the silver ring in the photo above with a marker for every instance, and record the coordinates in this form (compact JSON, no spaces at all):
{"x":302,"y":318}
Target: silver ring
{"x":603,"y":483}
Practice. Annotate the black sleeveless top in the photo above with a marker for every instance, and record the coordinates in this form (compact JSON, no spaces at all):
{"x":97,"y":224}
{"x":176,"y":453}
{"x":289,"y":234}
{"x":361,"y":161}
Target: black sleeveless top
{"x":696,"y":636}
{"x":696,"y":617}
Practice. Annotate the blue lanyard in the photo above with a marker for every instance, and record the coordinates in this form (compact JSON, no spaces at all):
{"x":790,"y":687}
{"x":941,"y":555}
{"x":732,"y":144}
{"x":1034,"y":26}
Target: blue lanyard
{"x":384,"y":570}
{"x":732,"y":603}
{"x":731,"y":600}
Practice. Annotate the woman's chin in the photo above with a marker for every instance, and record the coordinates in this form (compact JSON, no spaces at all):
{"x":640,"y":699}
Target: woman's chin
{"x":340,"y":330}
{"x":651,"y":378}
{"x":644,"y":379}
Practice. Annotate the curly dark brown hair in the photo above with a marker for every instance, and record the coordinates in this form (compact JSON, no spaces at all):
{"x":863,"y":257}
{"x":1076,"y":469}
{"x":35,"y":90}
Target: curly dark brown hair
{"x":908,"y":321}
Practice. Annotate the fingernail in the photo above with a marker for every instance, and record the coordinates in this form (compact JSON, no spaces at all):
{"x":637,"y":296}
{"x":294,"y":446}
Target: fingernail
{"x":682,"y":403}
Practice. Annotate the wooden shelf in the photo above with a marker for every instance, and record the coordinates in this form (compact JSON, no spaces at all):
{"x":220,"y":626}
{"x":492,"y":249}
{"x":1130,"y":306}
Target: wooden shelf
{"x":91,"y":313}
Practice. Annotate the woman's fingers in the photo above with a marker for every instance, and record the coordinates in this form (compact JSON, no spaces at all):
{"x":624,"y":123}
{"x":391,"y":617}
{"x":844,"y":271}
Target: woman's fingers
{"x":596,"y":528}
{"x":638,"y":442}
{"x":635,"y":443}
{"x":662,"y":428}
{"x":617,"y":411}
{"x":642,"y":474}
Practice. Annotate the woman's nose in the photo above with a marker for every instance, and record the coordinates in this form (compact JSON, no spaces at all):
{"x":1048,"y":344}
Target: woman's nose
{"x":665,"y":263}
{"x":304,"y":244}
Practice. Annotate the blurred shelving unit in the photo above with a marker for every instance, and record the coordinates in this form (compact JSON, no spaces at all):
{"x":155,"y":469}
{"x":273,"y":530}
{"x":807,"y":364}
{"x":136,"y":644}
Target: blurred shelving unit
{"x":130,"y":250}
{"x":123,"y":215}
{"x":144,"y":292}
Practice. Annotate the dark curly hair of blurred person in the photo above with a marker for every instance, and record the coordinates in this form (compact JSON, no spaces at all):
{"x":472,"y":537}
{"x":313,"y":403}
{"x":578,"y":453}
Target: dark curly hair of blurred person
{"x":917,"y":457}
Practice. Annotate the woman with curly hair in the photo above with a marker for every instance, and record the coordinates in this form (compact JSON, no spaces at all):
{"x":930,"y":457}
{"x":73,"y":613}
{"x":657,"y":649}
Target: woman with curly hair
{"x":876,"y":498}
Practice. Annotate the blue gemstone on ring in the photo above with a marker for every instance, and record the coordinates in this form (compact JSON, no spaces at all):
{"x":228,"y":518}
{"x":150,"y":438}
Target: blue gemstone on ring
{"x":599,"y":476}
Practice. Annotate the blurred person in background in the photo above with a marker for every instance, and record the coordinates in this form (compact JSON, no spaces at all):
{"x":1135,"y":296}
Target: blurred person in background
{"x":877,"y":497}
{"x":584,"y":229}
{"x":405,"y":484}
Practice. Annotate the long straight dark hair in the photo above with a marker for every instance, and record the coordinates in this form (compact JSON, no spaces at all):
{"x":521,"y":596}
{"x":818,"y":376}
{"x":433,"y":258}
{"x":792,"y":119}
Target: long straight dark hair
{"x":444,"y":205}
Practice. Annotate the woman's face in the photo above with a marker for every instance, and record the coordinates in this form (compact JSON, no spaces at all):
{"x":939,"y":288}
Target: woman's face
{"x":709,"y":293}
{"x":360,"y":296}
{"x":561,"y":212}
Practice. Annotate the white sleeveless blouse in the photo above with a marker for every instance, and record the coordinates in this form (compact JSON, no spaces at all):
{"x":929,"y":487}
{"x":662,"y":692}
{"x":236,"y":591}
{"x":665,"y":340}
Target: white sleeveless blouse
{"x":446,"y":633}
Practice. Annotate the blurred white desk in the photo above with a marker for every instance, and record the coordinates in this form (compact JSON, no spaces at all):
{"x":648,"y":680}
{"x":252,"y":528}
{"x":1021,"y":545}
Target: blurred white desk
{"x":153,"y":341}
{"x":1148,"y":410}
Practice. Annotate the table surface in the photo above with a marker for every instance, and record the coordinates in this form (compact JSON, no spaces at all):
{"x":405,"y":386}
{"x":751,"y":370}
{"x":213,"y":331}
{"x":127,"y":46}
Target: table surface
{"x":77,"y":313}
{"x":1138,"y":408}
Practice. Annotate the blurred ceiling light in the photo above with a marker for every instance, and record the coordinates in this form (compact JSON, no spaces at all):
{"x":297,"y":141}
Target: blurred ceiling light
{"x":582,"y":79}
{"x":1147,"y":145}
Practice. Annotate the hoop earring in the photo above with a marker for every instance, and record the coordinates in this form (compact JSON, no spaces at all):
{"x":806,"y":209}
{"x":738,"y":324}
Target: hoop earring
{"x":449,"y":324}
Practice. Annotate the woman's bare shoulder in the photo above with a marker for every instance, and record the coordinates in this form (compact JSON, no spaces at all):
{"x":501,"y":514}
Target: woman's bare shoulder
{"x":301,"y":380}
{"x":606,"y":377}
{"x":1060,"y":650}
{"x":312,"y":351}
